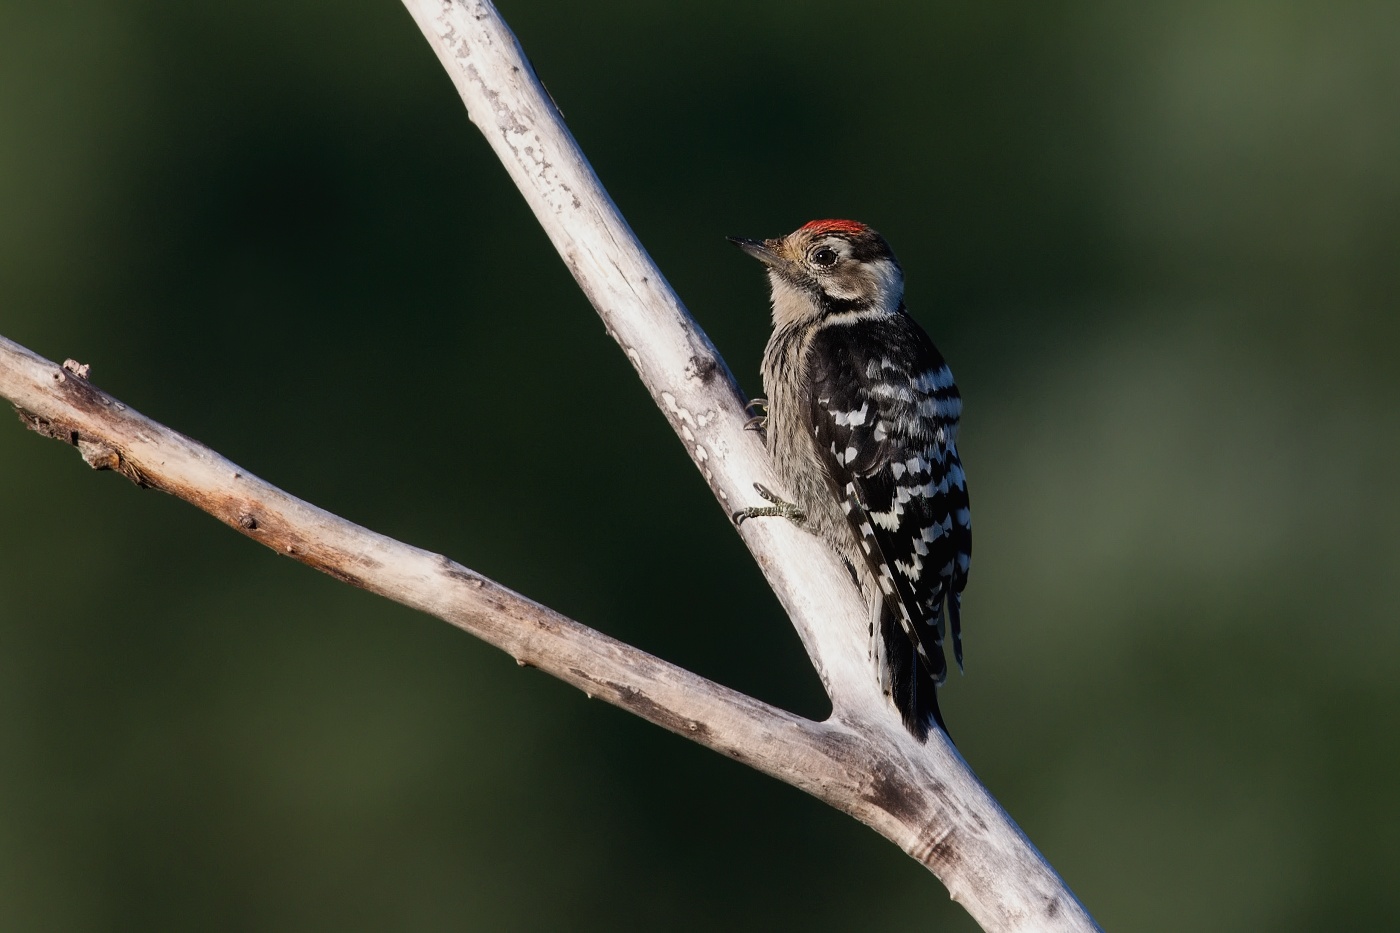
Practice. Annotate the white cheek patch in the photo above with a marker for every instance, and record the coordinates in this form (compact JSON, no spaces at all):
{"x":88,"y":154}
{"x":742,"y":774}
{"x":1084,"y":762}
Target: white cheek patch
{"x":790,"y":303}
{"x":888,"y":284}
{"x":879,"y":282}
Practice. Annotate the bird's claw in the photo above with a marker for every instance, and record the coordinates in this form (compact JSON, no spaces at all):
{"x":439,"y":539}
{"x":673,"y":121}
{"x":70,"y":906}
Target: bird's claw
{"x":758,"y":422}
{"x":780,"y":507}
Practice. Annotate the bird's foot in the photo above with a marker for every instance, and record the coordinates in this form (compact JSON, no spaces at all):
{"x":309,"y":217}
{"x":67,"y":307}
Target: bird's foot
{"x":780,"y":508}
{"x":757,"y":422}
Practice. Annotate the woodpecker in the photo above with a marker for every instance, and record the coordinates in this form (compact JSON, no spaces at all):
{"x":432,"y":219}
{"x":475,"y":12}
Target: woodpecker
{"x":861,"y":421}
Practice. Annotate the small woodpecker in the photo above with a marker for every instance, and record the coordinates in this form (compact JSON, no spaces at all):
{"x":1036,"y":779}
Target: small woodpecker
{"x":862,"y":419}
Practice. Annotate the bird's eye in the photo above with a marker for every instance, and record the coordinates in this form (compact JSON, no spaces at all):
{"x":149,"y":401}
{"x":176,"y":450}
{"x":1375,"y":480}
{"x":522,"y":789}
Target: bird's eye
{"x":824,"y":256}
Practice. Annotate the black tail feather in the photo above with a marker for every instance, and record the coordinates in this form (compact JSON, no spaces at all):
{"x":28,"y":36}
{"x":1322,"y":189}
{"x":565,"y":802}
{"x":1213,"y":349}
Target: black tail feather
{"x":955,"y":623}
{"x":914,"y":688}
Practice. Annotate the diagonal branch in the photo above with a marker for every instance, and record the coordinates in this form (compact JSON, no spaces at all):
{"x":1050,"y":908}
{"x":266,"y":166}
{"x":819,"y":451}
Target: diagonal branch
{"x":674,"y":358}
{"x":60,"y":403}
{"x":699,"y":397}
{"x":922,"y":797}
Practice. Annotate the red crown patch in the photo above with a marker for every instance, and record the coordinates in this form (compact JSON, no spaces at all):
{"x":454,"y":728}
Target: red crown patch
{"x":854,"y":228}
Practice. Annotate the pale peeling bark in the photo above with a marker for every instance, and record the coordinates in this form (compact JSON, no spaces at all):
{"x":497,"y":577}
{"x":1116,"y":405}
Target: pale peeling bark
{"x":924,"y":798}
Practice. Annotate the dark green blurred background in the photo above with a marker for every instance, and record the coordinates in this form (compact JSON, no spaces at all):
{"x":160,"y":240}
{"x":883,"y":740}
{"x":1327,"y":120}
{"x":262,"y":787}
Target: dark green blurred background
{"x":1157,"y":241}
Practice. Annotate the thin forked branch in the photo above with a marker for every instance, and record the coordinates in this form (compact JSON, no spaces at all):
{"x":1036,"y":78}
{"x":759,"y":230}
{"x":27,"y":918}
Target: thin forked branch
{"x":922,"y":797}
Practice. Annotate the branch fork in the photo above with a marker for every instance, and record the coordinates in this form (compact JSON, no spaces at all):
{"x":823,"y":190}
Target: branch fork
{"x":924,"y":798}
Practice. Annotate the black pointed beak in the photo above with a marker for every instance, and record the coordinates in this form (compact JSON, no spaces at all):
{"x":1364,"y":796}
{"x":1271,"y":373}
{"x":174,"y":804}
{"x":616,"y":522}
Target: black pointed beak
{"x":758,"y":249}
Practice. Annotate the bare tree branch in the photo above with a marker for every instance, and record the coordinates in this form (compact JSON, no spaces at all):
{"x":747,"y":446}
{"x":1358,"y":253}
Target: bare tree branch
{"x":698,"y":395}
{"x":922,"y":797}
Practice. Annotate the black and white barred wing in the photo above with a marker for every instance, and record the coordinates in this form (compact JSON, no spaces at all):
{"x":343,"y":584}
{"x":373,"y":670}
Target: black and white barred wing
{"x":884,"y":412}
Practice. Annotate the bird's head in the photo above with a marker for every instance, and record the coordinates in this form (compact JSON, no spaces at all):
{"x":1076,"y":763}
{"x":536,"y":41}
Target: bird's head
{"x":829,"y":267}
